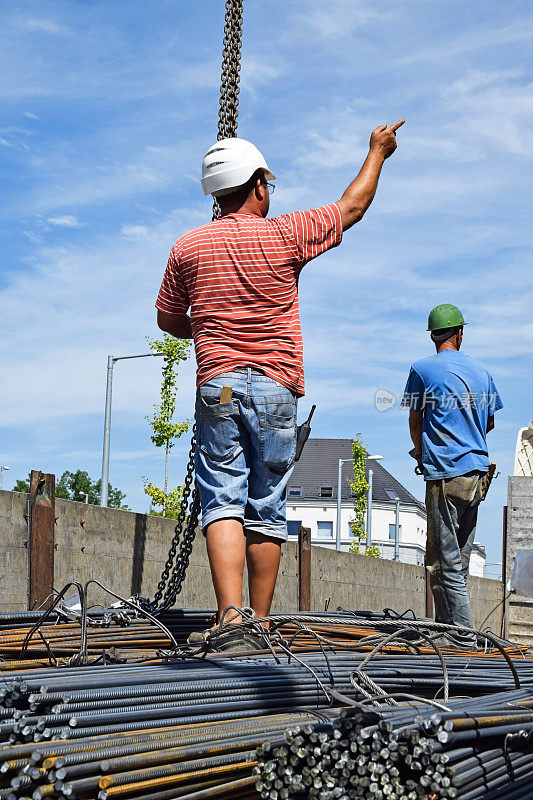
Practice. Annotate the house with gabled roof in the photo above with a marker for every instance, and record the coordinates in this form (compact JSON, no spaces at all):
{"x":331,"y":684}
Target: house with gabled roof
{"x":312,"y":502}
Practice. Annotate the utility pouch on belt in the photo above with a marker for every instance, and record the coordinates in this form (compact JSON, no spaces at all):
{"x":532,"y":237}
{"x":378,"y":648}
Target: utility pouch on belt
{"x":487,"y":479}
{"x":303,"y":434}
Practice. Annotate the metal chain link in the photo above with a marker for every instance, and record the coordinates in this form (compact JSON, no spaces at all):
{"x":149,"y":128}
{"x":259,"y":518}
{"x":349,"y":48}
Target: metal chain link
{"x":176,"y":564}
{"x":231,"y":76}
{"x":173,"y":574}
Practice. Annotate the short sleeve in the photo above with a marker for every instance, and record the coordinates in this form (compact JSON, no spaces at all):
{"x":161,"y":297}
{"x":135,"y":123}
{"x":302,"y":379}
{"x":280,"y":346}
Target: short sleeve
{"x":495,"y":401}
{"x":312,"y":232}
{"x":414,"y":396}
{"x":172,"y":297}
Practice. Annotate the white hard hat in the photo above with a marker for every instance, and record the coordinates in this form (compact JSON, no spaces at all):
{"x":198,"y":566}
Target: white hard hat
{"x":229,"y":163}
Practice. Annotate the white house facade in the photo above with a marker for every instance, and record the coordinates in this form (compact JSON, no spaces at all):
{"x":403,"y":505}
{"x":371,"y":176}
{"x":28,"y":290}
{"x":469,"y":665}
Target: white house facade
{"x":312,"y":502}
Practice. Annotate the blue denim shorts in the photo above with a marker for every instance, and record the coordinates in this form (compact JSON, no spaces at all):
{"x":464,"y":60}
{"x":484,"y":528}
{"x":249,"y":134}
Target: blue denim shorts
{"x":245,"y":451}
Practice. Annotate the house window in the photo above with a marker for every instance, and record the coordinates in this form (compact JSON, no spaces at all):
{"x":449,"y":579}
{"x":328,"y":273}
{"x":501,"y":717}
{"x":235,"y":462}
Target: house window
{"x":293,"y":526}
{"x":325,"y":530}
{"x":392,"y":532}
{"x":326,"y":491}
{"x":295,"y":491}
{"x":391,"y":494}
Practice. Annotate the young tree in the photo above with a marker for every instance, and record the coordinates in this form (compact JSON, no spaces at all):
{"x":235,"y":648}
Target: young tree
{"x":165,"y":431}
{"x":359,"y":486}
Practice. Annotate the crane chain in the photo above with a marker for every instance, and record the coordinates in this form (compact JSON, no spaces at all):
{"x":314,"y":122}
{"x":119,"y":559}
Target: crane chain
{"x":231,"y":76}
{"x":231,"y":67}
{"x":173,"y":575}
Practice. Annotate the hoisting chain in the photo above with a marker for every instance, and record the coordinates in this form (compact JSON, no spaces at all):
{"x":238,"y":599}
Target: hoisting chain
{"x":231,"y":67}
{"x":231,"y":76}
{"x":177,"y":561}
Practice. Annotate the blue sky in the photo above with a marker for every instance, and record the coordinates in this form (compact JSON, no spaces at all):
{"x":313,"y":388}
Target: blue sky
{"x":107,"y":109}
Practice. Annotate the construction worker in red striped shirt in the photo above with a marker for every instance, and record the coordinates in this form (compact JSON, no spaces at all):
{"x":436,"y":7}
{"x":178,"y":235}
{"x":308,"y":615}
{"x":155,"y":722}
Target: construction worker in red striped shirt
{"x":232,"y":286}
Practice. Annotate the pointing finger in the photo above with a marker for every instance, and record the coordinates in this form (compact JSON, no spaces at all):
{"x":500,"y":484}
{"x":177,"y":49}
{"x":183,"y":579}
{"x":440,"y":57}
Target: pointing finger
{"x":396,"y":125}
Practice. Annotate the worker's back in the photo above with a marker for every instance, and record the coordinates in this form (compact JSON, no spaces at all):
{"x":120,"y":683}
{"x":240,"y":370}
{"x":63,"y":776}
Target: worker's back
{"x":239,"y":276}
{"x":457,"y":395}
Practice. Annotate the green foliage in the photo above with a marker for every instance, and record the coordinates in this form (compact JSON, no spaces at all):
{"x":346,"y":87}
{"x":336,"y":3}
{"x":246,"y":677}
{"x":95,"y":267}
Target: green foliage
{"x":359,"y":486}
{"x":169,"y":501}
{"x":358,"y":548}
{"x":22,"y":486}
{"x":80,"y":487}
{"x":165,"y":431}
{"x":77,"y":486}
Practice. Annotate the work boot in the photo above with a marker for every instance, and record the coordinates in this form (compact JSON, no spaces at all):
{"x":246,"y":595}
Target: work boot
{"x":200,"y":637}
{"x":455,"y":640}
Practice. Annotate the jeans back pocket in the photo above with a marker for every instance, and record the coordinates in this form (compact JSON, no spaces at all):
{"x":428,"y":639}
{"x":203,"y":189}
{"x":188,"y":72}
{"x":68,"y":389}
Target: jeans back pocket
{"x":277,"y":433}
{"x":217,"y":428}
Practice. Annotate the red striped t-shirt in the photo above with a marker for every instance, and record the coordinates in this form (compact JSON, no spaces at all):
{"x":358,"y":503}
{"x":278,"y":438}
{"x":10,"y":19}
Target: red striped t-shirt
{"x":239,"y":276}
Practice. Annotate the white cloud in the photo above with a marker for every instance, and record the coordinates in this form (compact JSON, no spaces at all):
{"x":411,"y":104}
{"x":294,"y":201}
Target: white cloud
{"x":44,"y":26}
{"x":64,"y":221}
{"x":339,"y":18}
{"x":134,"y":231}
{"x":75,"y":182}
{"x":260,"y":70}
{"x":93,"y":301}
{"x":491,"y":109}
{"x":520,"y":30}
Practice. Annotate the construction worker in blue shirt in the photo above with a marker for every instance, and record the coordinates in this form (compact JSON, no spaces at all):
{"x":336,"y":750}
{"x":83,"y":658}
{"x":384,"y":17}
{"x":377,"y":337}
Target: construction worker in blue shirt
{"x":452,"y":400}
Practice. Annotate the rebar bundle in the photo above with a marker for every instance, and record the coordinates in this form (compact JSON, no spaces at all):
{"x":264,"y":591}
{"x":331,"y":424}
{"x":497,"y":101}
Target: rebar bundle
{"x":112,"y":634}
{"x":404,"y":753}
{"x":79,"y":701}
{"x":138,"y":721}
{"x":176,"y":761}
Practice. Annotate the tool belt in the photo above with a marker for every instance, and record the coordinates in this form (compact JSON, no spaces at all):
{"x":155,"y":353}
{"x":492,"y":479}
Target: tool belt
{"x":487,"y":479}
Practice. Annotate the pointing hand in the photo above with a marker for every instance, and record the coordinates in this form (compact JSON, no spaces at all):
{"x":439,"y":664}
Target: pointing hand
{"x":383,"y":139}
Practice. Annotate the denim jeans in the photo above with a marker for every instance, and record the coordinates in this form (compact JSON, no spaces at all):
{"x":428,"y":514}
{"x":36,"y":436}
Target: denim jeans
{"x":452,"y":506}
{"x":245,"y":450}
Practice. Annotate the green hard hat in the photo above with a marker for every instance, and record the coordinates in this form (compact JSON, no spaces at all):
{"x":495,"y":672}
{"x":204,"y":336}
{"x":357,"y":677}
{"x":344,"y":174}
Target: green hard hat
{"x":445,"y":316}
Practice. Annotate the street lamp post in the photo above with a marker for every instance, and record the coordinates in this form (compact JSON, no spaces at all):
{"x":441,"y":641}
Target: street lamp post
{"x":104,"y":490}
{"x":2,"y":470}
{"x":339,"y":492}
{"x":369,"y":501}
{"x":397,"y":531}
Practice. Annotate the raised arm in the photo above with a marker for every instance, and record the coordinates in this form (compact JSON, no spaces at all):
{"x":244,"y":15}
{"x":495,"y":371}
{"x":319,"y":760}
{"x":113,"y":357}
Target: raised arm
{"x":360,"y":193}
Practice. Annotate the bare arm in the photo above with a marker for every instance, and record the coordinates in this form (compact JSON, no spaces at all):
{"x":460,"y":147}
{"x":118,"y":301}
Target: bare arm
{"x":178,"y":325}
{"x":416,"y":419}
{"x":360,"y":193}
{"x":490,"y":423}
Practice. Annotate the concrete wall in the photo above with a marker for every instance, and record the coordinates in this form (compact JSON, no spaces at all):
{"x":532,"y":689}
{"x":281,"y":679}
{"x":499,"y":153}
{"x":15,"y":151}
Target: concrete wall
{"x":519,"y":610}
{"x":127,"y":551}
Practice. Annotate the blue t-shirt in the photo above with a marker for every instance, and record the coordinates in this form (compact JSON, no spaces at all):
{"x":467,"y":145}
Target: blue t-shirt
{"x":457,"y":396}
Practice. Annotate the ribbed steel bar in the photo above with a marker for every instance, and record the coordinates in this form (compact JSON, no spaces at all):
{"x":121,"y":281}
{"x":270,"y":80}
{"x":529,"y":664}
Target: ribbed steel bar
{"x":399,"y":754}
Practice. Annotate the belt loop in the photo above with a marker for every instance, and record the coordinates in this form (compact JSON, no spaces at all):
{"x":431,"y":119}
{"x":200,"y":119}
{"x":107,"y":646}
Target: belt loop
{"x":249,"y":381}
